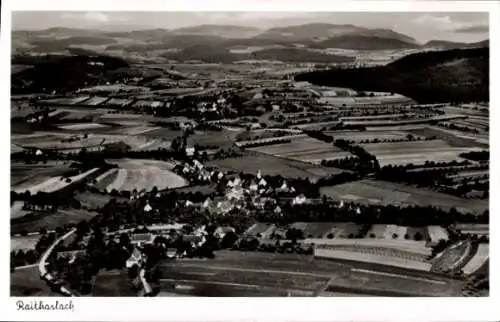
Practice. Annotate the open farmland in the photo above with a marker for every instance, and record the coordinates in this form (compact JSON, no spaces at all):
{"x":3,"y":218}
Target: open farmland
{"x":82,"y":126}
{"x":269,"y":165}
{"x":455,"y":257}
{"x":35,"y":221}
{"x":314,"y":229}
{"x":16,"y":210}
{"x":23,"y":242}
{"x":260,"y":229}
{"x":416,"y":250}
{"x":477,"y":229}
{"x":63,"y":142}
{"x":52,"y":184}
{"x":330,"y":230}
{"x":163,"y":133}
{"x":295,"y":273}
{"x":415,"y":152}
{"x":94,"y":200}
{"x":304,"y":149}
{"x":358,"y":136}
{"x":74,"y":113}
{"x":27,"y":282}
{"x":140,"y":174}
{"x":132,"y":136}
{"x":437,"y":233}
{"x":94,"y":101}
{"x":479,"y":259}
{"x":29,"y":174}
{"x":453,"y":138}
{"x":112,"y":283}
{"x":222,"y":139}
{"x":378,"y":192}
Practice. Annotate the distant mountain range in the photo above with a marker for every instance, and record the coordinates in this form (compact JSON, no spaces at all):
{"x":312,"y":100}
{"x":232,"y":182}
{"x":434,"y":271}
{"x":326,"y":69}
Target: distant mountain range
{"x":314,"y":35}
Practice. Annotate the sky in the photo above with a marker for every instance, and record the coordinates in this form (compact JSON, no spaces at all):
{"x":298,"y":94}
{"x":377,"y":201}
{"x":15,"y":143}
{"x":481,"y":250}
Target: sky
{"x":452,"y":26}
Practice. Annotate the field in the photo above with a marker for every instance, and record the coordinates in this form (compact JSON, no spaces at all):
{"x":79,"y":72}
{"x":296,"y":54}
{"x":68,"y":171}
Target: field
{"x":477,"y":229}
{"x":436,"y":233}
{"x":82,"y":126}
{"x":416,"y":152}
{"x":140,"y":174}
{"x":378,"y":192}
{"x":312,"y":229}
{"x":93,"y":200}
{"x":280,"y":274}
{"x":265,"y":134}
{"x":16,"y":210}
{"x":453,"y":139}
{"x":27,"y":282}
{"x":304,"y":149}
{"x":261,"y":229}
{"x":37,"y":221}
{"x":222,"y":139}
{"x":74,"y":113}
{"x":21,"y":174}
{"x":94,"y":101}
{"x":371,"y":255}
{"x":112,"y":283}
{"x":163,"y":133}
{"x":52,"y":184}
{"x":134,"y":136}
{"x":358,"y":136}
{"x":23,"y":242}
{"x":63,"y":141}
{"x":269,"y":165}
{"x":454,"y":257}
{"x":414,"y":248}
{"x":478,"y":260}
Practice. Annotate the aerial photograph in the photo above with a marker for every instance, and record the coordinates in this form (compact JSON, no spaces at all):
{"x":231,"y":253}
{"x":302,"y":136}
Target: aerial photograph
{"x":249,"y":154}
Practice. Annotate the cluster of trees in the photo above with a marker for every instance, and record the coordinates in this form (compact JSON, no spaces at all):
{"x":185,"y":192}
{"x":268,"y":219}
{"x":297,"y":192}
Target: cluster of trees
{"x":364,"y":163}
{"x":436,"y":178}
{"x":308,"y":120}
{"x":465,"y":188}
{"x":423,"y":178}
{"x":250,"y":136}
{"x":412,"y":216}
{"x":463,"y":128}
{"x":68,"y":73}
{"x":409,"y":137}
{"x":278,"y":246}
{"x":99,"y":253}
{"x":31,"y":256}
{"x":424,"y":77}
{"x":265,"y":143}
{"x":476,"y":155}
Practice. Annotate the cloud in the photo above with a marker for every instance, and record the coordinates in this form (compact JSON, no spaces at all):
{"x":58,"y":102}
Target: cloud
{"x":93,"y":16}
{"x":444,"y":23}
{"x":480,"y":29}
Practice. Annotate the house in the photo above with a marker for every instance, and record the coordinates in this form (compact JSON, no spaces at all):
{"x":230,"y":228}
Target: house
{"x":142,"y":238}
{"x":134,"y":259}
{"x":190,"y":152}
{"x":300,"y":199}
{"x":222,"y":231}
